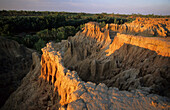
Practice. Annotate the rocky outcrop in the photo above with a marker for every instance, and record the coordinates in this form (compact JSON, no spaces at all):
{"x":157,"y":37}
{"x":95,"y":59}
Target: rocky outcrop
{"x":131,"y":68}
{"x":160,"y":46}
{"x":77,"y":94}
{"x":93,"y":30}
{"x":84,"y":47}
{"x":147,"y":56}
{"x":15,"y":61}
{"x":144,"y":26}
{"x":55,"y":73}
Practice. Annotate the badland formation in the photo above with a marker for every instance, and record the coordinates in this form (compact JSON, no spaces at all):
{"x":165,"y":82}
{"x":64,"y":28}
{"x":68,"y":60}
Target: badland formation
{"x":114,"y":67}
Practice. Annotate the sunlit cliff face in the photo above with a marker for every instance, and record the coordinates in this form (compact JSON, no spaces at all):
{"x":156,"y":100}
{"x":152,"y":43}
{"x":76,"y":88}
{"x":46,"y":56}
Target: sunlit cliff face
{"x":160,"y":46}
{"x":93,"y":30}
{"x":142,"y":26}
{"x":86,"y":55}
{"x":75,"y":93}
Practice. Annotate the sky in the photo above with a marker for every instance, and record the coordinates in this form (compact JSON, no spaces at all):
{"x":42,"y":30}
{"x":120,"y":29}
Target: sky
{"x":159,"y":7}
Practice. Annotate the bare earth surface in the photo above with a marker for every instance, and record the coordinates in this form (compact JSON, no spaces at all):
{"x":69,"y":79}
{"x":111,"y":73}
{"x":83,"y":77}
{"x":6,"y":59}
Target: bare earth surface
{"x":15,"y":62}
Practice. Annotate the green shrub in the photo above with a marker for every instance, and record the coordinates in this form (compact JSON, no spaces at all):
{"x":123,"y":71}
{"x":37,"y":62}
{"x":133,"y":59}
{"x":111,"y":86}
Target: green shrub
{"x":39,"y":45}
{"x":29,"y":40}
{"x":102,"y":24}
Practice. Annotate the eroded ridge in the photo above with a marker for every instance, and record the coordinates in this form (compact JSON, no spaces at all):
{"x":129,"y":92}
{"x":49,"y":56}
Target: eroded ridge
{"x":68,"y":64}
{"x":144,"y":26}
{"x":132,"y":62}
{"x":76,"y":94}
{"x":160,"y":46}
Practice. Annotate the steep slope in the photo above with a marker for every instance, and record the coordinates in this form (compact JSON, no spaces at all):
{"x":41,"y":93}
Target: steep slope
{"x":34,"y":93}
{"x":86,"y":44}
{"x":136,"y":67}
{"x":160,"y":46}
{"x":15,"y":61}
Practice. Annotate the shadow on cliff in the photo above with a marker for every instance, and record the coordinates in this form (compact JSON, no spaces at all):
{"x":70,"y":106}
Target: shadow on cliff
{"x":34,"y":92}
{"x":15,"y":62}
{"x":133,"y":67}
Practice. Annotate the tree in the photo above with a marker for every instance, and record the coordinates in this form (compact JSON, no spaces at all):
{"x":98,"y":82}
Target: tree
{"x":29,"y":40}
{"x":121,"y":21}
{"x":6,"y":29}
{"x":44,"y":34}
{"x":115,"y":21}
{"x":60,"y":35}
{"x":40,"y":44}
{"x":102,"y":24}
{"x":53,"y":32}
{"x":100,"y":16}
{"x":104,"y":14}
{"x":80,"y":27}
{"x":78,"y":16}
{"x":112,"y":14}
{"x":69,"y":31}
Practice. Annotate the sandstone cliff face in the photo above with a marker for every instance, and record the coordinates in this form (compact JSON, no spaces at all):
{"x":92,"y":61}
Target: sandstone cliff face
{"x":144,"y":26}
{"x":78,"y":74}
{"x":92,"y":30}
{"x":129,"y":68}
{"x":77,"y":94}
{"x":84,"y":47}
{"x":133,"y":52}
{"x":160,"y":46}
{"x":15,"y":61}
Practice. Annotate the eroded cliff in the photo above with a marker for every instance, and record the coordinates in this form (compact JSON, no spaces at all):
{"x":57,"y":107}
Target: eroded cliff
{"x":34,"y":93}
{"x":160,"y":46}
{"x":144,"y":26}
{"x":77,"y":94}
{"x":68,"y":64}
{"x":89,"y":71}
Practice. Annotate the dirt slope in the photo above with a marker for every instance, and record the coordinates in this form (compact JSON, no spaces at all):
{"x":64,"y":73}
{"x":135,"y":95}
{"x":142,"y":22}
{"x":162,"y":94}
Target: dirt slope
{"x":15,"y":61}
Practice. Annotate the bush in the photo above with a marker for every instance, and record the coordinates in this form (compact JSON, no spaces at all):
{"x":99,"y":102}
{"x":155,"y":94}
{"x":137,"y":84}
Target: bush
{"x":70,"y":31}
{"x":30,"y":40}
{"x":39,"y":45}
{"x":102,"y":24}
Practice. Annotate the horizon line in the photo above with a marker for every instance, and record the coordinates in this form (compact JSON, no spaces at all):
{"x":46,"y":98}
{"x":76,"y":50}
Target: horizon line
{"x":83,"y":12}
